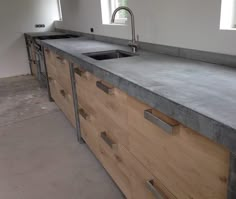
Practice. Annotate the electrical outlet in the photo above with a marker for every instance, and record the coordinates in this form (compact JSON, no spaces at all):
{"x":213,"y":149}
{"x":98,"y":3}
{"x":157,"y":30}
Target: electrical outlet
{"x":39,"y":25}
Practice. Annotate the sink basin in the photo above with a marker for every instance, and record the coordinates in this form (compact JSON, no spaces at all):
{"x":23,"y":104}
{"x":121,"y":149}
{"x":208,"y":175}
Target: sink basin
{"x":113,"y":54}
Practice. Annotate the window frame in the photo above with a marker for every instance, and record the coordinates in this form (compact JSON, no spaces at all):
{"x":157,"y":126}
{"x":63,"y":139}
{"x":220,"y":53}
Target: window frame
{"x":59,"y":10}
{"x":113,"y":5}
{"x":228,"y":15}
{"x":110,"y":6}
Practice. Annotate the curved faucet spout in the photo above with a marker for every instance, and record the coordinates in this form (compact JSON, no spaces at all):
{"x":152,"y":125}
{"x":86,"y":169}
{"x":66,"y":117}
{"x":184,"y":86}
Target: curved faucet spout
{"x":134,"y":43}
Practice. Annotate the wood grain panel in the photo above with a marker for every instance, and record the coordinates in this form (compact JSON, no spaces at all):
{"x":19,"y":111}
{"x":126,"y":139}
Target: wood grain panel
{"x":89,"y":131}
{"x":50,"y":57}
{"x":188,"y":164}
{"x":63,"y":73}
{"x":63,"y":100}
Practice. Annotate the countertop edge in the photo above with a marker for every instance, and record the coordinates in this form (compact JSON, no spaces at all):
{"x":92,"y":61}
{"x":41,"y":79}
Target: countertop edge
{"x":208,"y":127}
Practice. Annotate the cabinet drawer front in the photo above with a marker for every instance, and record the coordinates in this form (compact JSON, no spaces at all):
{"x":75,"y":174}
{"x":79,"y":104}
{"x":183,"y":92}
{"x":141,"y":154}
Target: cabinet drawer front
{"x":113,"y":161}
{"x":110,"y":111}
{"x":49,"y":56}
{"x":112,"y":99}
{"x":52,"y":71}
{"x":129,"y":174}
{"x":188,"y":164}
{"x":63,"y":73}
{"x":89,"y":131}
{"x":63,"y":100}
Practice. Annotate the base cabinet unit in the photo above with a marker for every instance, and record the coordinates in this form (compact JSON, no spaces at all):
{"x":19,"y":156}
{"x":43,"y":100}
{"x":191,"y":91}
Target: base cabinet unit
{"x":60,"y":84}
{"x":148,"y":154}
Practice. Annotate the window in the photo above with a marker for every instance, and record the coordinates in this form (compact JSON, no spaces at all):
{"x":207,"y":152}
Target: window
{"x":108,"y":6}
{"x":228,"y":14}
{"x":59,"y":9}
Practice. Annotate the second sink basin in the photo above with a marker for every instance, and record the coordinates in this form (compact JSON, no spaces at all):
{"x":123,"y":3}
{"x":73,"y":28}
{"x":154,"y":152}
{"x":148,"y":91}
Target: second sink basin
{"x":112,"y":54}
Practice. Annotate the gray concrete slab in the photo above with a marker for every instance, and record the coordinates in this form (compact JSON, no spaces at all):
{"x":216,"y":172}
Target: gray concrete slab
{"x":39,"y":34}
{"x":41,"y":158}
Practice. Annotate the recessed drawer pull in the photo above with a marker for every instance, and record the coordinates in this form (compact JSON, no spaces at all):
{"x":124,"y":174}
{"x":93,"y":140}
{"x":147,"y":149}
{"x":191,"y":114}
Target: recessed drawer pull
{"x":79,"y":72}
{"x":60,"y":59}
{"x":32,"y":61}
{"x":153,"y":190}
{"x":83,"y":114}
{"x":47,"y":50}
{"x":50,"y":79}
{"x":107,"y":140}
{"x":63,"y":93}
{"x":104,"y":88}
{"x":157,"y":121}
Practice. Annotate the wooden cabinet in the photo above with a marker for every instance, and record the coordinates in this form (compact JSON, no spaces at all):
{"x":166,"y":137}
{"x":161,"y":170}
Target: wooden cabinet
{"x":103,"y":120}
{"x":60,"y":84}
{"x":148,"y":154}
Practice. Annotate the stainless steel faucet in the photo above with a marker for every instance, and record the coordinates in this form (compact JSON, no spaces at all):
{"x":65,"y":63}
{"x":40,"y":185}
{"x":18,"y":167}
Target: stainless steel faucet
{"x":134,"y":43}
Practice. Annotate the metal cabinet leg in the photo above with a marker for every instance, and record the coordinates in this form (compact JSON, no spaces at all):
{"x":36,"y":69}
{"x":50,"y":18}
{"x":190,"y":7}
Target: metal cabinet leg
{"x":76,"y":106}
{"x":47,"y":80}
{"x":232,"y":178}
{"x":28,"y":53}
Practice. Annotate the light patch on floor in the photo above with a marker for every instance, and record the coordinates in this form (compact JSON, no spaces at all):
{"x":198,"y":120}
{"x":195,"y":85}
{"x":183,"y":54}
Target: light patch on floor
{"x":21,"y":98}
{"x":40,"y":156}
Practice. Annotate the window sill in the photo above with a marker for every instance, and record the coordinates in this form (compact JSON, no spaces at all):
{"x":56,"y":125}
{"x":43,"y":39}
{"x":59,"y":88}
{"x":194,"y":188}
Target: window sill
{"x":58,"y":20}
{"x":228,"y":28}
{"x":114,"y":24}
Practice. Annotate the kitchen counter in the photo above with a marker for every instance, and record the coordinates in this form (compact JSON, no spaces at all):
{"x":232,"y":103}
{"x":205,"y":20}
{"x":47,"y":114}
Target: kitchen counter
{"x":40,"y":34}
{"x":199,"y":95}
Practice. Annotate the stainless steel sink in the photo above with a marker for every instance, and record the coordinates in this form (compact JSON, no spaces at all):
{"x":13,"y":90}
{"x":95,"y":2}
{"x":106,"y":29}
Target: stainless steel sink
{"x":113,"y":54}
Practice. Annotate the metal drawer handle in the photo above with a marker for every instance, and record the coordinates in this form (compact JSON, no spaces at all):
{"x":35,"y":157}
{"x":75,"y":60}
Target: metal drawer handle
{"x":157,"y":121}
{"x":107,"y":140}
{"x":60,"y":59}
{"x":104,"y":88}
{"x":153,"y":190}
{"x":83,"y":114}
{"x":63,"y":93}
{"x":32,"y":61}
{"x":79,"y":72}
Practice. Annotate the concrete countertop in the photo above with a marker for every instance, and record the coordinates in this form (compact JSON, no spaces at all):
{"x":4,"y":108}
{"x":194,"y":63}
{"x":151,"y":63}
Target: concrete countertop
{"x":40,"y":34}
{"x":199,"y":95}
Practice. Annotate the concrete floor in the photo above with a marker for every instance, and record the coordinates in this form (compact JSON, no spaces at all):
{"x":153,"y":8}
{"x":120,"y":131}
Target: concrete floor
{"x":39,"y":154}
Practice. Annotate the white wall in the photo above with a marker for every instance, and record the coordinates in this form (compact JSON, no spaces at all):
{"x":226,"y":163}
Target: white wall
{"x":191,"y":24}
{"x":234,"y":14}
{"x":17,"y":17}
